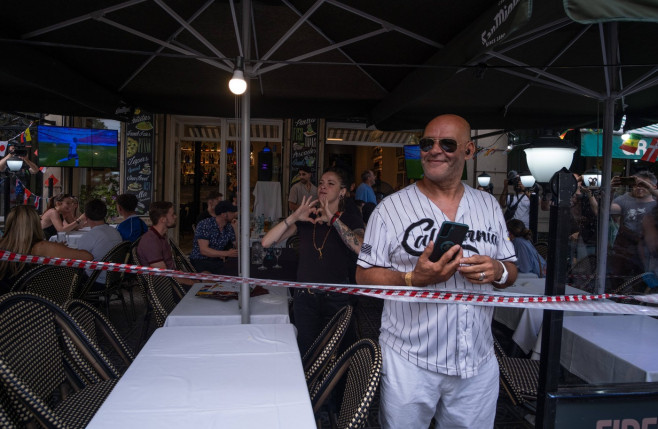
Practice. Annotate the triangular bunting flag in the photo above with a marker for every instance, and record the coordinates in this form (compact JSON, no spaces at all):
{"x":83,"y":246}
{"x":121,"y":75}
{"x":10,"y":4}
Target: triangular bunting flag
{"x":36,"y":202}
{"x":652,"y":151}
{"x":28,"y":136}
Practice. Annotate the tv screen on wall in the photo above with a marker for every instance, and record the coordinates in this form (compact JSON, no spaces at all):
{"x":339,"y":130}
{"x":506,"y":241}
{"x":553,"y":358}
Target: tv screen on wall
{"x":77,"y":147}
{"x":412,"y":162}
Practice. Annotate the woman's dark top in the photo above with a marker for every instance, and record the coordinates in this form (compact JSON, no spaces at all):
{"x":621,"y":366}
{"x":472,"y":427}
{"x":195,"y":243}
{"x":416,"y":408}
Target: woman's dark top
{"x":51,"y":230}
{"x":337,"y":258}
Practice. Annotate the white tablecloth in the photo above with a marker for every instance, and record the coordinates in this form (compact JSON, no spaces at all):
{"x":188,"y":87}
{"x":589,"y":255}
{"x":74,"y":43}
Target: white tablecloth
{"x":239,"y":376}
{"x":194,"y":310}
{"x":525,"y":322}
{"x":611,"y":349}
{"x":72,"y":237}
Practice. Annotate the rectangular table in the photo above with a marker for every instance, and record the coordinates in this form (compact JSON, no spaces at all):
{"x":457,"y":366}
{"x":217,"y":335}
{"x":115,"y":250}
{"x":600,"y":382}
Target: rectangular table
{"x":525,"y":322}
{"x":238,"y":376}
{"x":611,"y":349}
{"x":194,"y":310}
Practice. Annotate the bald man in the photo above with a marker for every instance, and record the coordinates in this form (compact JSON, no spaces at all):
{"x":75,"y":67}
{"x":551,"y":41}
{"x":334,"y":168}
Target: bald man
{"x":438,"y":358}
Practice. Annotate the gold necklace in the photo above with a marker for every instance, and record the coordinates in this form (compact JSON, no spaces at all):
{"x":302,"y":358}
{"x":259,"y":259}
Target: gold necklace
{"x":323,"y":241}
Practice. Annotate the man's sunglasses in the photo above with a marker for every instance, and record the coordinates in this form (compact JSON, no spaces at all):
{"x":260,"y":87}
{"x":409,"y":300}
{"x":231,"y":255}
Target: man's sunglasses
{"x":447,"y":145}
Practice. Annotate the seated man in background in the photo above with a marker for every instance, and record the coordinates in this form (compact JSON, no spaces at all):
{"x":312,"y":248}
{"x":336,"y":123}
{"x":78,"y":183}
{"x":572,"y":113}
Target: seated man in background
{"x":212,"y":199}
{"x":214,"y":238}
{"x":100,"y":240}
{"x":153,"y":249}
{"x":132,"y":227}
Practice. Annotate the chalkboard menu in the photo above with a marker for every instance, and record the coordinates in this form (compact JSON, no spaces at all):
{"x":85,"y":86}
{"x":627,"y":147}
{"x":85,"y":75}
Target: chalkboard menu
{"x":139,"y":159}
{"x":304,"y":146}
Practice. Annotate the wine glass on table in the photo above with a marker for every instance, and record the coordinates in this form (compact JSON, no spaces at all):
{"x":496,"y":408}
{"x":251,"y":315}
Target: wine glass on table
{"x":261,"y":260}
{"x":277,"y":253}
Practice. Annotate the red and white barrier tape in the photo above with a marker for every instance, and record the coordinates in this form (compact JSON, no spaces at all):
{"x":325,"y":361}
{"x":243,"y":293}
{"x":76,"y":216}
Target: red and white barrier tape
{"x":587,"y":303}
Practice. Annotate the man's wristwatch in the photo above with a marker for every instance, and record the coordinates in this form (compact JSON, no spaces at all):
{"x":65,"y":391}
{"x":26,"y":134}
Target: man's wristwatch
{"x":408,"y":278}
{"x":503,"y":277}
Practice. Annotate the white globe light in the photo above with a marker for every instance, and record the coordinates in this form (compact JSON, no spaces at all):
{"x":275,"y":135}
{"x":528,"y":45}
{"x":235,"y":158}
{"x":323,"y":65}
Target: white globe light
{"x":484,"y":179}
{"x":543,"y":162}
{"x":14,"y":163}
{"x":528,"y":180}
{"x":237,"y":84}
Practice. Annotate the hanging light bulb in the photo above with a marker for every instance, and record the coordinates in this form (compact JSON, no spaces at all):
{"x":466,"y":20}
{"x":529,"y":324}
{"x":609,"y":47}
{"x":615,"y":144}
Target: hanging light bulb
{"x":237,"y":84}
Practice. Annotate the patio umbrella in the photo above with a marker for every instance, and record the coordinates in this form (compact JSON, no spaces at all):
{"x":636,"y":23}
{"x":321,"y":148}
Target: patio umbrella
{"x":543,"y":65}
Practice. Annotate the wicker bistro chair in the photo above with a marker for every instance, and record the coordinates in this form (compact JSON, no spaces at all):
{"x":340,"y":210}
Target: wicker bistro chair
{"x":181,"y":261}
{"x":325,"y":347}
{"x":583,"y":274}
{"x":51,"y":373}
{"x":142,"y":281}
{"x":119,"y":254}
{"x":57,"y":283}
{"x":519,"y":378}
{"x":361,"y":367}
{"x":163,"y":293}
{"x":100,"y":330}
{"x":542,"y":249}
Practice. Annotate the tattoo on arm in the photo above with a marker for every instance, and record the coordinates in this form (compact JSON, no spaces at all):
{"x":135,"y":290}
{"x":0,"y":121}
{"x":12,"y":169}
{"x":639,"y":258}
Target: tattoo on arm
{"x":352,"y":239}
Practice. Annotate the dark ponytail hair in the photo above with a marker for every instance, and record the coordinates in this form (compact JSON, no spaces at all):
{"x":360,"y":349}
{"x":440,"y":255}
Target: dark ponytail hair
{"x":518,"y":229}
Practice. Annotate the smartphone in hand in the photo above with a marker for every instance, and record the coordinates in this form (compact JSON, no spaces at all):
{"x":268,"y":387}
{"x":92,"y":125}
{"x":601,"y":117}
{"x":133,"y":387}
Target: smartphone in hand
{"x":451,"y":233}
{"x":627,"y":181}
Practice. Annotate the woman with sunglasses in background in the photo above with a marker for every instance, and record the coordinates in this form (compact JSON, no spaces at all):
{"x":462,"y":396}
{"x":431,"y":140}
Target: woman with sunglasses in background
{"x":54,"y":219}
{"x":329,"y":240}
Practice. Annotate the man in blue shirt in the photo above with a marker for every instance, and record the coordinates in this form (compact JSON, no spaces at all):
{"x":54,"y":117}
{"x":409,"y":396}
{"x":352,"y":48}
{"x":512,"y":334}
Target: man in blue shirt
{"x":212,"y":237}
{"x":132,"y":227}
{"x":365,"y":192}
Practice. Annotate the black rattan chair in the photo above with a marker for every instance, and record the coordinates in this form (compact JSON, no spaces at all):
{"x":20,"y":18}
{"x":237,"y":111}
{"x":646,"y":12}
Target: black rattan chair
{"x":181,"y":261}
{"x":325,"y":347}
{"x":57,"y":283}
{"x":542,"y":249}
{"x":360,"y":366}
{"x":583,"y":274}
{"x":118,"y":254}
{"x":43,"y":382}
{"x":163,"y":293}
{"x":519,"y":378}
{"x":99,"y":329}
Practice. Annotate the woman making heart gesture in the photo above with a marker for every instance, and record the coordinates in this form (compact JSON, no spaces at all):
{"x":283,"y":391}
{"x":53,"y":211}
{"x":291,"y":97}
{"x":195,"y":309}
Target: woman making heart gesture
{"x":329,"y":241}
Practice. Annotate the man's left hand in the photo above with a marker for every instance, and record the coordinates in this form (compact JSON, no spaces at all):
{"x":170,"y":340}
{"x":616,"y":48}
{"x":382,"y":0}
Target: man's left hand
{"x":480,"y":269}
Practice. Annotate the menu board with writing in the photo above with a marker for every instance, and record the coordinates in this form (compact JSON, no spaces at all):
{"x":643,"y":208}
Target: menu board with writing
{"x":304,"y":146}
{"x":139,"y":159}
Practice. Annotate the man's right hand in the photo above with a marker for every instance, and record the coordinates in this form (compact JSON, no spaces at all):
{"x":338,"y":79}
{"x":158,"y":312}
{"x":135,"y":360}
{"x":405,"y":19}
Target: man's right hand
{"x":427,"y":272}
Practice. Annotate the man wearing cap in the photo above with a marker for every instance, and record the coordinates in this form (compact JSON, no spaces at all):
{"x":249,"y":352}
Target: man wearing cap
{"x":301,"y":189}
{"x":515,"y":206}
{"x":214,"y":238}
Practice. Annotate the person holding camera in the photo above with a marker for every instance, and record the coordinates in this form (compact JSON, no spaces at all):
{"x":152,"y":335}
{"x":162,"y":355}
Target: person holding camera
{"x":633,"y":206}
{"x":515,"y":206}
{"x":10,"y":152}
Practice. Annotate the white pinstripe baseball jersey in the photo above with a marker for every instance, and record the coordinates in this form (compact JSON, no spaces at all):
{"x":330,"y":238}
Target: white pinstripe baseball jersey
{"x":451,"y":339}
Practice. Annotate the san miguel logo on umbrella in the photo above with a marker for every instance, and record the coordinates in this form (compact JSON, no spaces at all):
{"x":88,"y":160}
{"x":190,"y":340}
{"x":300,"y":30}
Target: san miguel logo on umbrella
{"x":630,"y":144}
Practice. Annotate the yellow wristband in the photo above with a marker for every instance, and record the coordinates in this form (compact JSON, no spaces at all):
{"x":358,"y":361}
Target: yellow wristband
{"x":408,"y":278}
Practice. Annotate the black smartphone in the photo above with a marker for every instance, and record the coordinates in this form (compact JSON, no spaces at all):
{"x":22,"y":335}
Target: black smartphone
{"x":627,"y":181}
{"x":451,"y":233}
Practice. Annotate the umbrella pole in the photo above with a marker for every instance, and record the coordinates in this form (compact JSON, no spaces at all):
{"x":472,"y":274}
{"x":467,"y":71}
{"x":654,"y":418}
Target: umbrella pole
{"x":611,"y":43}
{"x":245,"y":170}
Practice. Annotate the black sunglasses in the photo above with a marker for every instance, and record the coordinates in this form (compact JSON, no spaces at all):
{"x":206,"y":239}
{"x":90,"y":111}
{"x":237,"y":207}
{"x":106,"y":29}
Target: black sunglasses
{"x":447,"y":145}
